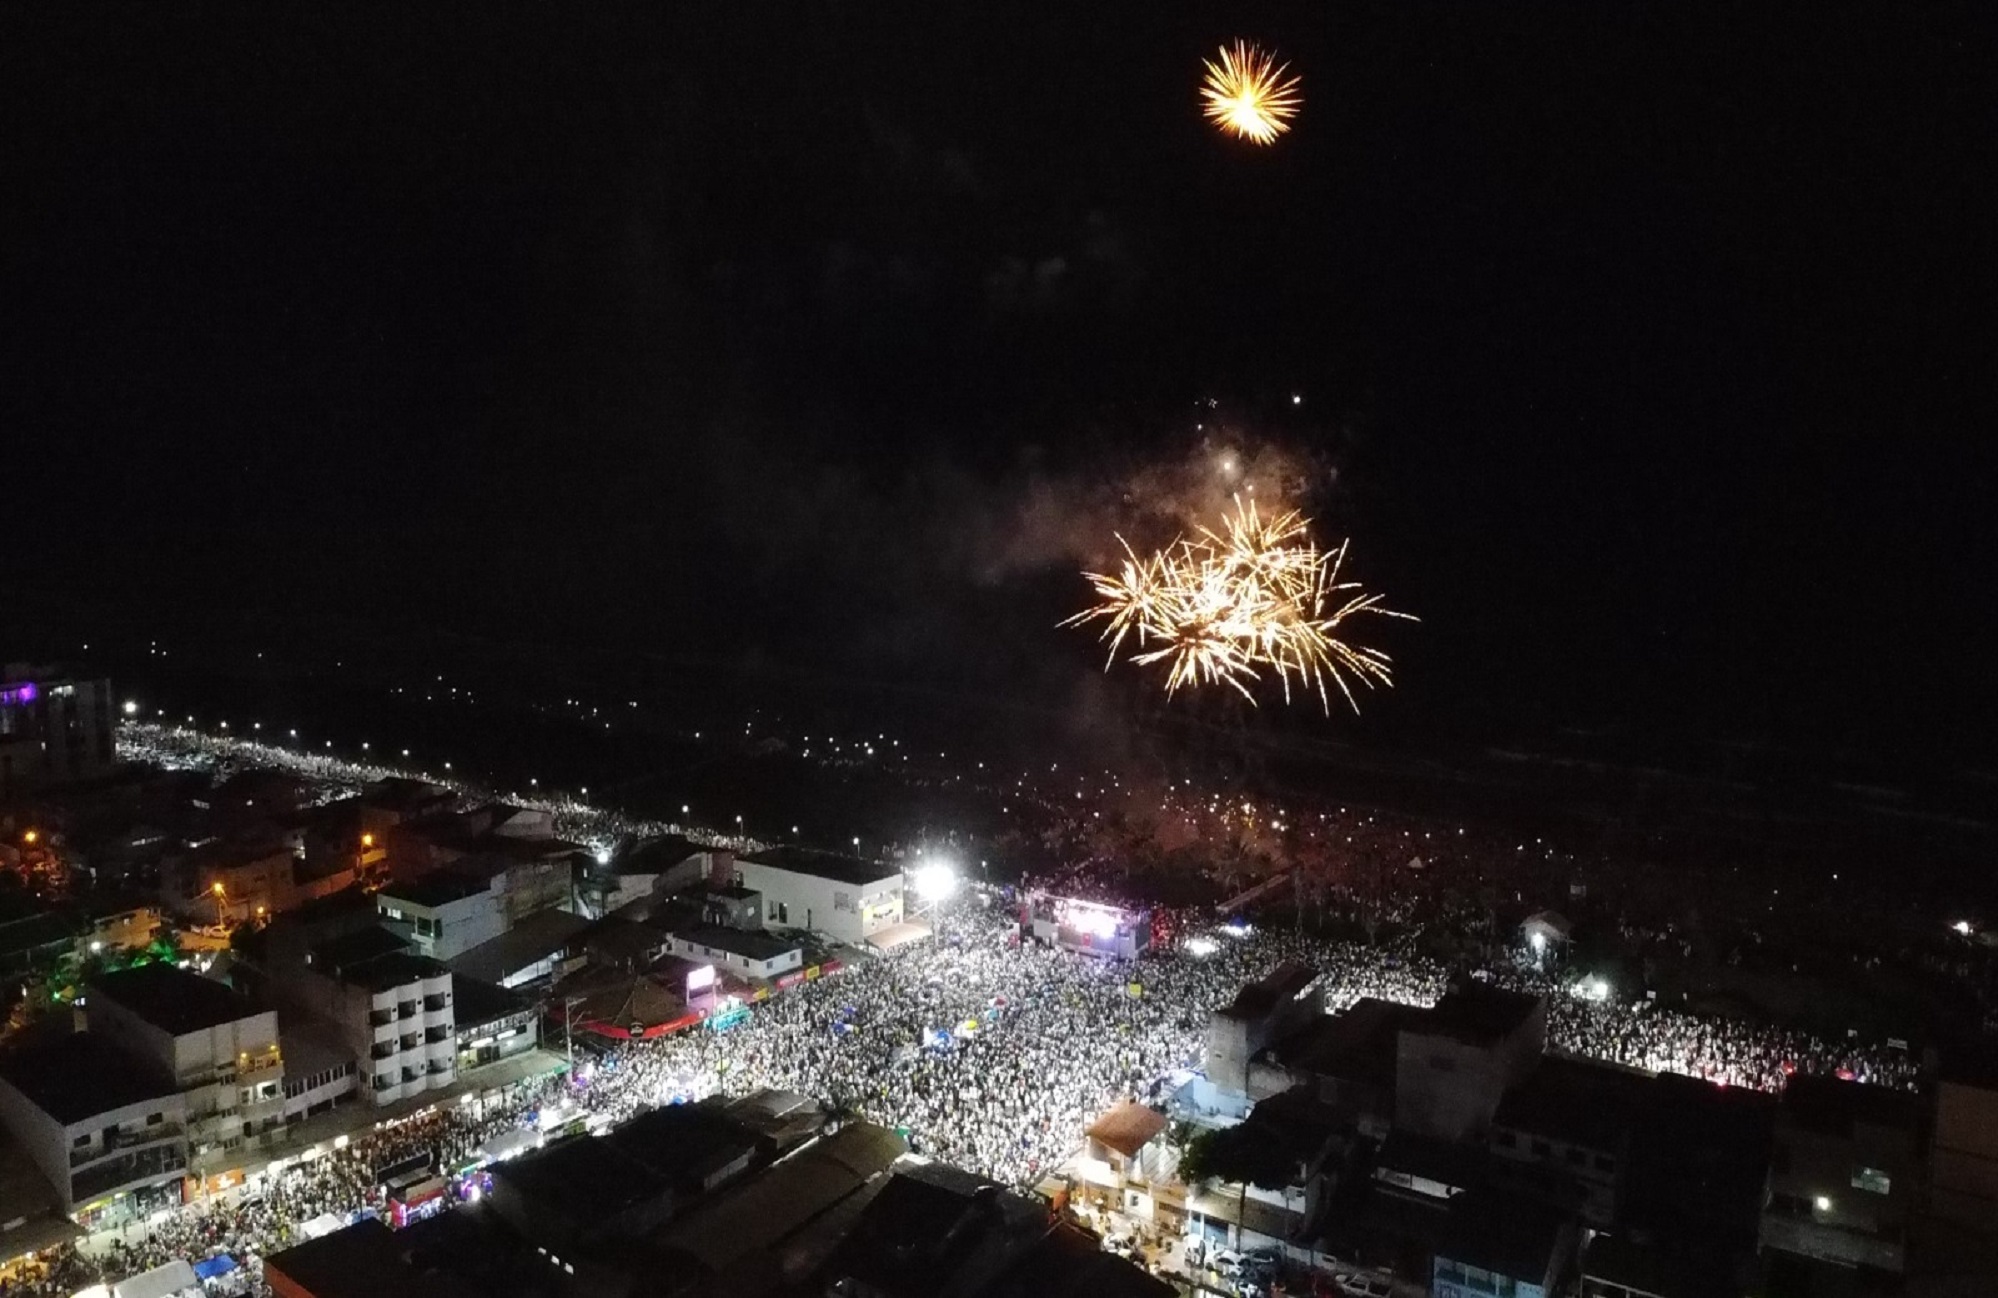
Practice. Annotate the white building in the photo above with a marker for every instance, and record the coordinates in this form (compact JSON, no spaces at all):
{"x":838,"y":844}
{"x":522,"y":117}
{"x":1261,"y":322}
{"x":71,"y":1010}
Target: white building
{"x":843,"y":897}
{"x":392,"y":1009}
{"x":221,"y":1050}
{"x":106,"y":1126}
{"x":747,"y":955}
{"x":445,"y":914}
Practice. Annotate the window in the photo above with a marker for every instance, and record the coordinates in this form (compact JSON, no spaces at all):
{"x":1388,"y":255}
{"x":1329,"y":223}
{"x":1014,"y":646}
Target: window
{"x":81,"y":1140}
{"x":154,"y":1119}
{"x":842,"y":901}
{"x":1872,"y":1180}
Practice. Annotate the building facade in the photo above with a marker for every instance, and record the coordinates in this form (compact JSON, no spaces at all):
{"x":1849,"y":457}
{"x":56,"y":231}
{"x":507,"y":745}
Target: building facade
{"x":53,"y":729}
{"x":843,"y":897}
{"x":107,"y":1127}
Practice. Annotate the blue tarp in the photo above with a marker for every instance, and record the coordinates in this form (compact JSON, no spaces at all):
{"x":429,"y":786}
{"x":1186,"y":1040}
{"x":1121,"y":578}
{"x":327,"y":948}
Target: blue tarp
{"x":219,"y":1265}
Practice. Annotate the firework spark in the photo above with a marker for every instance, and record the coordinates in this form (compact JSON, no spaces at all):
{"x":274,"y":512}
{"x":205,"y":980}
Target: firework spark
{"x":1248,"y":94}
{"x":1225,"y":607}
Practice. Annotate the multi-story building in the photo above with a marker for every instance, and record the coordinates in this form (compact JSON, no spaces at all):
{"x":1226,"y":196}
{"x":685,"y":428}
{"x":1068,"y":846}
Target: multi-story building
{"x":107,"y":1126}
{"x":220,"y":1049}
{"x":1563,"y":1136}
{"x":1454,"y":1063}
{"x":231,"y":880}
{"x":1290,"y":997}
{"x":1844,"y":1173}
{"x":843,"y":897}
{"x":392,"y":1009}
{"x":54,"y":729}
{"x":444,"y":914}
{"x":761,"y":956}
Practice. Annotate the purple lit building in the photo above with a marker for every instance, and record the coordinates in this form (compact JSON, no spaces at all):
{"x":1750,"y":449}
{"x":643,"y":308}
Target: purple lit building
{"x":54,"y":729}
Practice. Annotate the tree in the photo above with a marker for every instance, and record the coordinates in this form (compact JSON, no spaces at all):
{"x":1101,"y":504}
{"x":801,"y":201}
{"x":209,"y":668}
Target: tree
{"x":1247,"y":1153}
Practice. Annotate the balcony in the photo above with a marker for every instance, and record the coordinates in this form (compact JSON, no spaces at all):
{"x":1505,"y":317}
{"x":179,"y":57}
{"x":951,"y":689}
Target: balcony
{"x":406,"y":1010}
{"x":116,"y":1142}
{"x":433,"y":1035}
{"x":380,"y":1018}
{"x":431,"y":1004}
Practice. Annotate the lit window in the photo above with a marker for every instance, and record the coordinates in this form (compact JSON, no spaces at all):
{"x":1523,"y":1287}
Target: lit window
{"x":1872,"y":1180}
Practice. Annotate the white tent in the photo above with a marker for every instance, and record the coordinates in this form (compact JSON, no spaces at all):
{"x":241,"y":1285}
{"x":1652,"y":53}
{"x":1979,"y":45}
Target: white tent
{"x":170,"y":1281}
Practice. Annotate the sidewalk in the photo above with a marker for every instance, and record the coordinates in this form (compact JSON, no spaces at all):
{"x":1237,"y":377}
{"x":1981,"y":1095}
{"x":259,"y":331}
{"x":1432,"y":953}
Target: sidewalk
{"x":345,"y":1120}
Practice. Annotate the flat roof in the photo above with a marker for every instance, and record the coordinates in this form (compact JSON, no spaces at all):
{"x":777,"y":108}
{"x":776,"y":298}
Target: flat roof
{"x":476,"y":1002}
{"x":438,"y":888}
{"x":361,"y":1261}
{"x":588,"y":1175}
{"x":173,"y":999}
{"x":735,"y":941}
{"x":76,"y":1076}
{"x":1475,"y":1012}
{"x":684,"y":1143}
{"x":334,"y":955}
{"x":1584,"y":1103}
{"x":836,"y":866}
{"x":393,"y":970}
{"x":1834,"y":1106}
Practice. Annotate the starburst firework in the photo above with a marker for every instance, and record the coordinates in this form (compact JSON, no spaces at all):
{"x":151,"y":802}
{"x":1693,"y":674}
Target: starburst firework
{"x":1248,"y":94}
{"x":1224,"y":607}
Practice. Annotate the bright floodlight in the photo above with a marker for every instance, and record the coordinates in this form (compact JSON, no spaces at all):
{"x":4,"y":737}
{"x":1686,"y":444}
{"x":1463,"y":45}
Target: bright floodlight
{"x":934,"y":881}
{"x":1962,"y":926}
{"x":131,"y":708}
{"x":1539,"y":941}
{"x":1201,"y":946}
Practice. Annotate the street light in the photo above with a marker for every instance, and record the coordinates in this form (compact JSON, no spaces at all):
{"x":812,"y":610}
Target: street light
{"x":221,"y":916}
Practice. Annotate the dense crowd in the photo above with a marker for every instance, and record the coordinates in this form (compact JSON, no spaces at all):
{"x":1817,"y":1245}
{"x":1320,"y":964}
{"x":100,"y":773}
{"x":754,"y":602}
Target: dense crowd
{"x":989,"y":1052}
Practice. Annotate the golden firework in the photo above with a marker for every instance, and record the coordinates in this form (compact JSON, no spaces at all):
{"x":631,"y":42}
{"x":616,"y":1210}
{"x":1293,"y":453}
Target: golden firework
{"x":1248,"y":94}
{"x":1223,"y":607}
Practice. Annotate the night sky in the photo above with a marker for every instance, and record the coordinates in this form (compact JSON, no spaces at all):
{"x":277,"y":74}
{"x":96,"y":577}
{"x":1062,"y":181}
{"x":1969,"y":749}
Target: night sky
{"x":1645,"y":348}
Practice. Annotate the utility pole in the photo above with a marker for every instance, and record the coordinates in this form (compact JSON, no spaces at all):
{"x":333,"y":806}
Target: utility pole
{"x":569,"y":1004}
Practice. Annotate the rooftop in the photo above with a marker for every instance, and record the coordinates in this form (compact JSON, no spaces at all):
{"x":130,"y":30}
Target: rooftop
{"x":835,"y":866}
{"x":476,"y":1002}
{"x":396,"y":970}
{"x":589,"y":1176}
{"x":1282,"y":984}
{"x":438,"y":888}
{"x":1127,"y":1128}
{"x":1476,"y":1013}
{"x":76,"y":1077}
{"x":751,"y":946}
{"x":1832,"y":1106}
{"x":684,"y":1143}
{"x":1358,"y":1045}
{"x":362,"y":1261}
{"x":353,"y":949}
{"x":173,"y":999}
{"x":534,"y":938}
{"x":1587,"y":1104}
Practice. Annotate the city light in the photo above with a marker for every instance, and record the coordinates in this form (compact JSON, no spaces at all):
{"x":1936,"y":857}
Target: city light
{"x":934,"y":881}
{"x":1823,"y":1203}
{"x":1201,"y":946}
{"x":131,"y":708}
{"x":1962,"y":927}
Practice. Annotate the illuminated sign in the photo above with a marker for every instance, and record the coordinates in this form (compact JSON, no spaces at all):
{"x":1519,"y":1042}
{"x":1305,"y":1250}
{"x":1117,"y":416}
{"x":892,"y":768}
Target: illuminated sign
{"x":701,"y":977}
{"x":11,"y":695}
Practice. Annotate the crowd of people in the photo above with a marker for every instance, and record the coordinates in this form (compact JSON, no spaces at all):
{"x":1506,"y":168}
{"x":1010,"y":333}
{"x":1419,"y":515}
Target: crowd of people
{"x":986,"y":1049}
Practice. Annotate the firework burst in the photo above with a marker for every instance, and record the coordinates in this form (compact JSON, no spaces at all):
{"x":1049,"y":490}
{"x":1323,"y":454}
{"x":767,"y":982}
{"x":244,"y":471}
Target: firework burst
{"x":1248,"y":94}
{"x":1227,"y":606}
